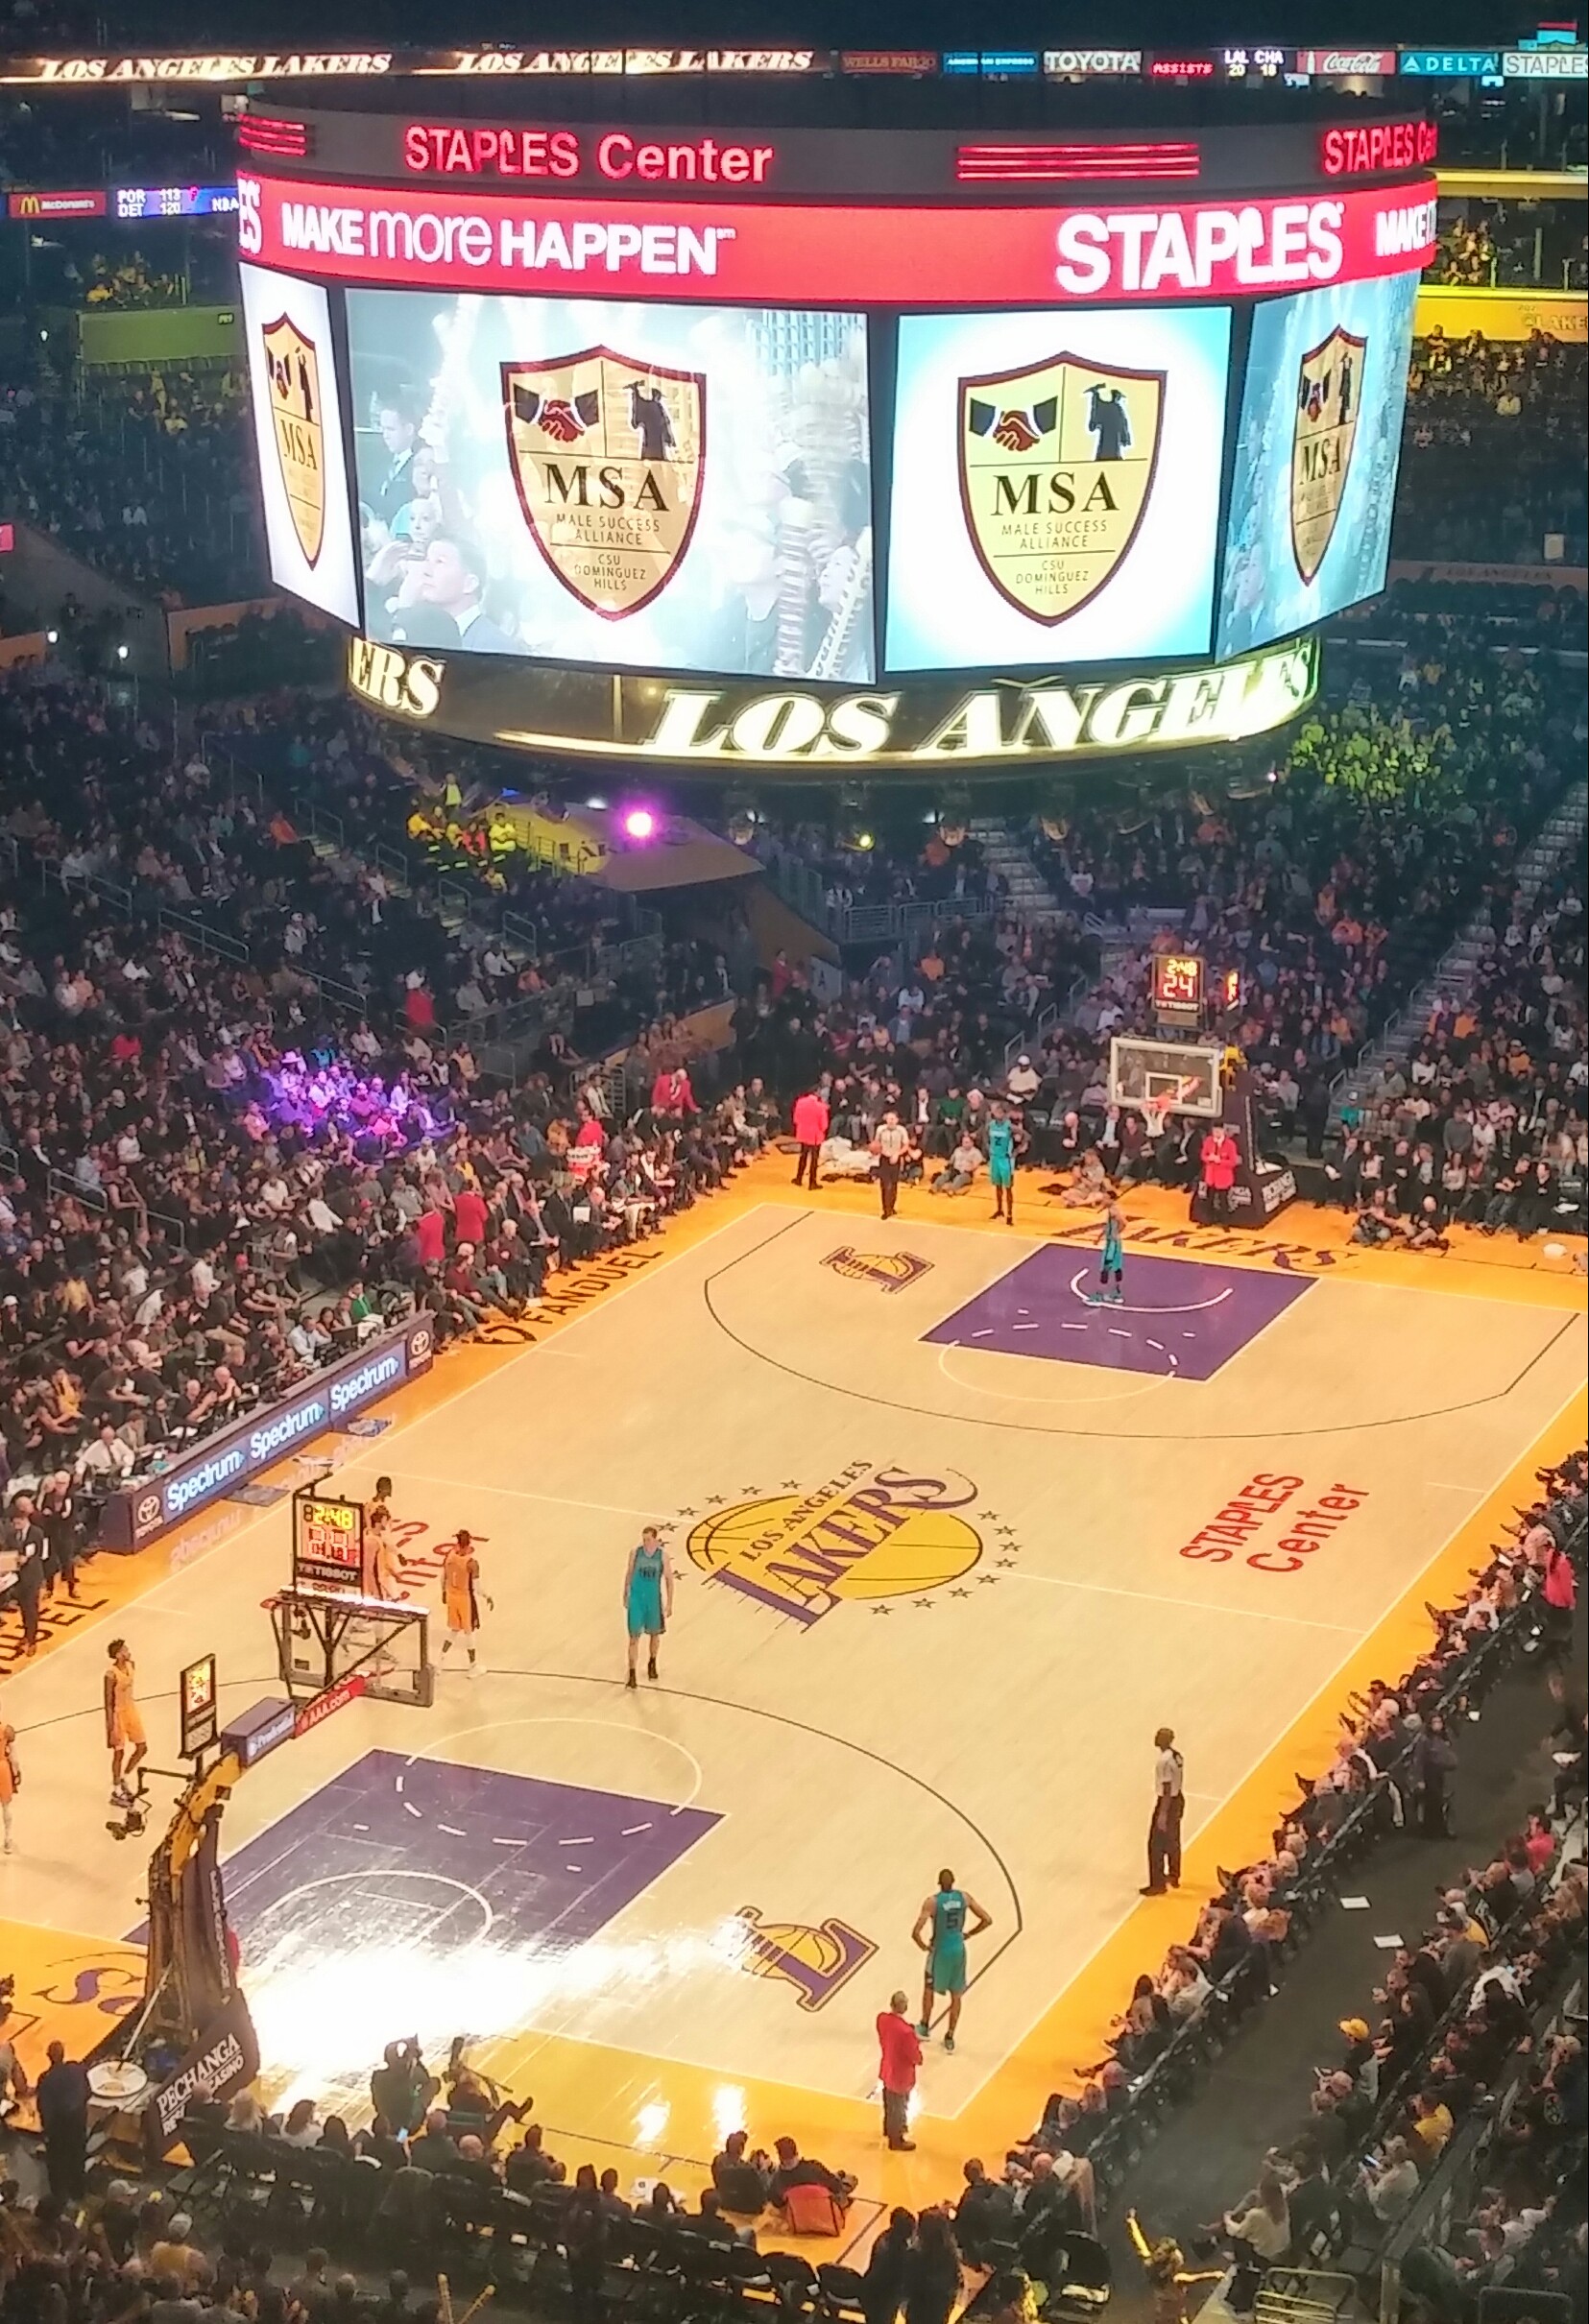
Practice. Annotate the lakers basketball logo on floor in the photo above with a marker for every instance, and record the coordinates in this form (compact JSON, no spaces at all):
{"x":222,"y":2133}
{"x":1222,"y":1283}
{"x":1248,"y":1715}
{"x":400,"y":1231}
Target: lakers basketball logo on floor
{"x":867,"y":1534}
{"x":815,"y":1960}
{"x":889,"y":1270}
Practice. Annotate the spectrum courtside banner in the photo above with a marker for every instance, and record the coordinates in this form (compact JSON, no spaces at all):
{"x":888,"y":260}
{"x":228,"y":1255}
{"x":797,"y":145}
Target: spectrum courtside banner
{"x":136,"y":1513}
{"x":832,"y":255}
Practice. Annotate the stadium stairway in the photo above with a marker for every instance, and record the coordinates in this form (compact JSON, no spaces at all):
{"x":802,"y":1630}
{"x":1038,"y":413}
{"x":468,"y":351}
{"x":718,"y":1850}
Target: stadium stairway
{"x":1453,"y":976}
{"x":1031,"y":894}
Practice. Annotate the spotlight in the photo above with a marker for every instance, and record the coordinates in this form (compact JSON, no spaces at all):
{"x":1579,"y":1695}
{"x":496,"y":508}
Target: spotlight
{"x":122,"y":653}
{"x":640,"y":823}
{"x":865,"y":842}
{"x":52,"y":637}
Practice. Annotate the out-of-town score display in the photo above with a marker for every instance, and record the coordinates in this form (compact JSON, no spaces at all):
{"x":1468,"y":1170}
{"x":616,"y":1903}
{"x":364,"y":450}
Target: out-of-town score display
{"x":829,"y":408}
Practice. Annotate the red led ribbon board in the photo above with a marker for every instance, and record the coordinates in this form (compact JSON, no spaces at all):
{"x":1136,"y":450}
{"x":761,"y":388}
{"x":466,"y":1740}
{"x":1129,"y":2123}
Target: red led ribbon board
{"x":433,"y":238}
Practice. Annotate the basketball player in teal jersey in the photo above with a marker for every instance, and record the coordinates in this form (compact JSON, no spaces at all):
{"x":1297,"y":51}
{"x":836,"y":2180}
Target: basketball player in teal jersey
{"x":1002,"y":1163}
{"x":941,"y":1931}
{"x":1111,"y":1259}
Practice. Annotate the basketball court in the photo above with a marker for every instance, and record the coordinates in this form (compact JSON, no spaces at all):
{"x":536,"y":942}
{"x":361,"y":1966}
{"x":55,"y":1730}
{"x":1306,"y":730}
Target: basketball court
{"x":951,"y":1544}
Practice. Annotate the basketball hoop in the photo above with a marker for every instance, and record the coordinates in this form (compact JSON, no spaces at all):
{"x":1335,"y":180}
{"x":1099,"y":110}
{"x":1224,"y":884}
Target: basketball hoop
{"x":1156,"y":1111}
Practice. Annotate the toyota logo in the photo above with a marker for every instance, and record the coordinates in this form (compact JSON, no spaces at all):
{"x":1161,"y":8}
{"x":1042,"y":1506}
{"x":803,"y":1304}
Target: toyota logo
{"x":146,"y":1511}
{"x":419,"y":1343}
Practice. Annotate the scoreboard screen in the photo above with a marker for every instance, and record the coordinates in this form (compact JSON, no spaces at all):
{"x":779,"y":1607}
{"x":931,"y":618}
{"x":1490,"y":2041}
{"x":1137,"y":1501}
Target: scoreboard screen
{"x":133,"y":201}
{"x":1178,"y":988}
{"x":1056,"y":485}
{"x":751,"y":428}
{"x":656,"y":486}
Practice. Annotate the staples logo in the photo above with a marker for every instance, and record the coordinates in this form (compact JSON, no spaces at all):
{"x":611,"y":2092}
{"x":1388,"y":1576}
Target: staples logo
{"x":1296,"y":242}
{"x":250,"y":232}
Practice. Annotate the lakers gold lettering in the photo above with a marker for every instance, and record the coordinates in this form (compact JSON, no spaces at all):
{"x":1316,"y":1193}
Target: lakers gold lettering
{"x":870,"y":1534}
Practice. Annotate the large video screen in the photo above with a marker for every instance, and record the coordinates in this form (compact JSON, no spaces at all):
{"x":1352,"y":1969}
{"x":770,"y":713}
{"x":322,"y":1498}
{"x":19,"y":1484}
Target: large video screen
{"x":1316,"y":462}
{"x":650,"y":486}
{"x":298,"y":434}
{"x":1055,"y":489}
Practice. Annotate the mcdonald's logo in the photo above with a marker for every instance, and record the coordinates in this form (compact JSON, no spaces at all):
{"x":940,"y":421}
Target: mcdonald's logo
{"x":88,"y":201}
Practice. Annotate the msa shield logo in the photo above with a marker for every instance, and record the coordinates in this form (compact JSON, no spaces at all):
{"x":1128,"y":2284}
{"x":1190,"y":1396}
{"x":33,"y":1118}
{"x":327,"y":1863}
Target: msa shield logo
{"x":1056,"y":468}
{"x":607,"y":454}
{"x":293,"y":367}
{"x":1329,"y":387}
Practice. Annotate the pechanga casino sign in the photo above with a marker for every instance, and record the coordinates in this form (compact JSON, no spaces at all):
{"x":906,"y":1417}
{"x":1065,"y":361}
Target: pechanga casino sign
{"x":819,"y":730}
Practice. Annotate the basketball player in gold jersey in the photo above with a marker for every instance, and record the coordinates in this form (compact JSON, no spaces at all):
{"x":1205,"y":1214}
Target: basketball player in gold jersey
{"x":124,"y":1734}
{"x":461,"y":1596}
{"x":383,"y":1560}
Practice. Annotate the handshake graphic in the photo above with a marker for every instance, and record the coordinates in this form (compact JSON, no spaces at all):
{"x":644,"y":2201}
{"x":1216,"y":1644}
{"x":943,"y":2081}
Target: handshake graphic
{"x":1015,"y":432}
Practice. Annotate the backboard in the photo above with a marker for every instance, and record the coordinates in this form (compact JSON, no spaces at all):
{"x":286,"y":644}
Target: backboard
{"x":322,"y":1639}
{"x":1169,"y":1076}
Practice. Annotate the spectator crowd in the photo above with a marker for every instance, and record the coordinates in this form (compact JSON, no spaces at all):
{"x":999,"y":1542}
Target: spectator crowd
{"x":1493,"y":452}
{"x":148,"y":478}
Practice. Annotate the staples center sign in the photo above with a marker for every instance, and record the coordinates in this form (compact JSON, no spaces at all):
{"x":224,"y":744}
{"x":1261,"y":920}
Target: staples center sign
{"x":829,"y":256}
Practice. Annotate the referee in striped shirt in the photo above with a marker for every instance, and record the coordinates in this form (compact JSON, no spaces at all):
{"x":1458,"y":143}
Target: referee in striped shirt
{"x":891,"y":1144}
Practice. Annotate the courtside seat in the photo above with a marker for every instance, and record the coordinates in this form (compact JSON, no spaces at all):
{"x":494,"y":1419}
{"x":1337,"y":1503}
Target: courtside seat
{"x":1086,"y":2280}
{"x":840,"y":2291}
{"x":794,"y":2281}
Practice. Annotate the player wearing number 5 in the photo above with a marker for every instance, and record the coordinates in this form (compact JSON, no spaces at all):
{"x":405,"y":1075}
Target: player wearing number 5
{"x":647,"y":1599}
{"x":941,"y":1931}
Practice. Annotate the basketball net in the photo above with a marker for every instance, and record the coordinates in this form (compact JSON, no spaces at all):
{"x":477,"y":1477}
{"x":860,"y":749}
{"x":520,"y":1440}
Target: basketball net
{"x":1156,"y":1110}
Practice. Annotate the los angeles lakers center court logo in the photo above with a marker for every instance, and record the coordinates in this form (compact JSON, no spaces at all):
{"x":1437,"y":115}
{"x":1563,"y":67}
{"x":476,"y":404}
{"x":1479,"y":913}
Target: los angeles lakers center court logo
{"x":868,"y":1535}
